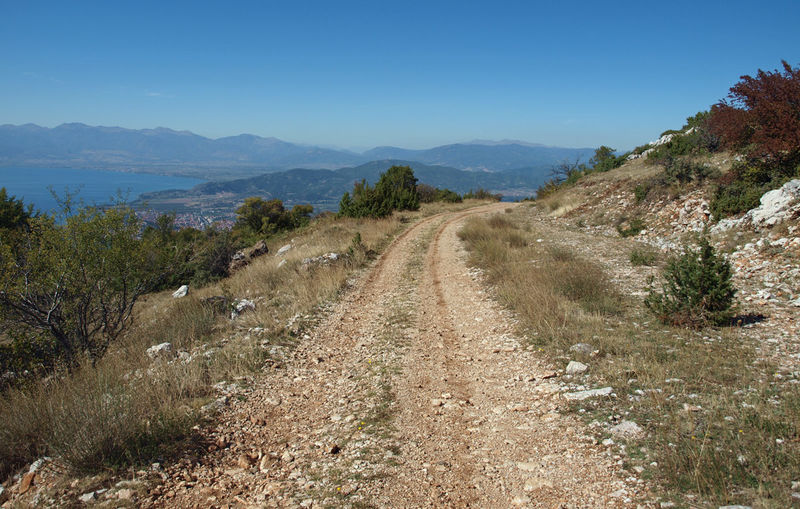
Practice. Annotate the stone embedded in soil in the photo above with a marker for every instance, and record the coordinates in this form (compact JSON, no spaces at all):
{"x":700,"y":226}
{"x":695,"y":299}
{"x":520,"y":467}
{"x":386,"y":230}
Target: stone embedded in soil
{"x":584,"y":348}
{"x":27,"y":480}
{"x":576,"y":368}
{"x":591,"y":393}
{"x":627,"y":429}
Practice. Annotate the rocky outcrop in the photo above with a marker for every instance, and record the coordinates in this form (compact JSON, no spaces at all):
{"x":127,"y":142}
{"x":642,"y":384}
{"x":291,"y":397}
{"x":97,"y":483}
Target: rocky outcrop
{"x":246,"y":256}
{"x":776,"y":207}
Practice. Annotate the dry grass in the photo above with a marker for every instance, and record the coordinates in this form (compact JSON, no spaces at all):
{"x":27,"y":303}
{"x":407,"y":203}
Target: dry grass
{"x":129,"y":409}
{"x":723,"y":425}
{"x":555,"y":291}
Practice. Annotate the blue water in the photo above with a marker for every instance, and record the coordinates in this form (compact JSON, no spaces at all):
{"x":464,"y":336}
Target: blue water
{"x":94,"y":187}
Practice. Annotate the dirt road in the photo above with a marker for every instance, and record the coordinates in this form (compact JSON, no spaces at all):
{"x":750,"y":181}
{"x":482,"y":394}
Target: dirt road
{"x":412,"y":392}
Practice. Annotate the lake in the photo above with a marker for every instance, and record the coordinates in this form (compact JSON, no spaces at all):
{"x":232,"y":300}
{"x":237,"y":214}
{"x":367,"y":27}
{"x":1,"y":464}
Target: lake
{"x":94,"y":187}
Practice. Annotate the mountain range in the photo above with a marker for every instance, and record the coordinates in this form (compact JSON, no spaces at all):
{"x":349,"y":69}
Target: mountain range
{"x":324,"y":188}
{"x":167,"y":151}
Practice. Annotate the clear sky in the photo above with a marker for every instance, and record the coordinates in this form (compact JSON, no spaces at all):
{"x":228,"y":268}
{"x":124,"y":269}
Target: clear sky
{"x":404,"y":73}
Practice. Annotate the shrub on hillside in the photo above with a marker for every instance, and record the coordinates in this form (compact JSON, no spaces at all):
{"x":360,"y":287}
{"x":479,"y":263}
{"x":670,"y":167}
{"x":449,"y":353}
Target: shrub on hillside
{"x":741,"y":188}
{"x":634,"y":227}
{"x":696,"y":289}
{"x":396,"y":189}
{"x":482,"y":194}
{"x":646,"y":256}
{"x":266,"y":217}
{"x":430,"y":194}
{"x":76,"y":282}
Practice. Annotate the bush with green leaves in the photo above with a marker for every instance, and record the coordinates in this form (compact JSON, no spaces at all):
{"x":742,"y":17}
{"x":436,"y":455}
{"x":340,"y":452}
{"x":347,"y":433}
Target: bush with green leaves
{"x":76,"y":282}
{"x":741,"y":188}
{"x":396,"y":189}
{"x":635,"y":226}
{"x":264,"y":217}
{"x":430,"y":194}
{"x":696,"y":290}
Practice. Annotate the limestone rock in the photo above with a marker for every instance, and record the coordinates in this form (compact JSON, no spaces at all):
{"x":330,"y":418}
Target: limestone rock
{"x":627,"y":429}
{"x":584,"y":348}
{"x":161,"y":351}
{"x":576,"y":368}
{"x":246,"y":256}
{"x":241,"y":306}
{"x":591,"y":393}
{"x":283,"y":250}
{"x":183,"y":291}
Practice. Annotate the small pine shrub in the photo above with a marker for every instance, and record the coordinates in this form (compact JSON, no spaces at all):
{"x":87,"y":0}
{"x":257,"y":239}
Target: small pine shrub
{"x":640,"y":192}
{"x":635,"y":226}
{"x":696,"y":291}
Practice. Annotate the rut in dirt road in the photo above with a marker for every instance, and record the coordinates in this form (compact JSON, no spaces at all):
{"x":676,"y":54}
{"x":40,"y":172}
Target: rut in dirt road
{"x":412,"y":392}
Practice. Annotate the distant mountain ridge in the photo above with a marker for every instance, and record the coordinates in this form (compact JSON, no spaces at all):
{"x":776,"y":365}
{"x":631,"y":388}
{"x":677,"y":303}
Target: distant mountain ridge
{"x":169,"y":151}
{"x":324,"y":188}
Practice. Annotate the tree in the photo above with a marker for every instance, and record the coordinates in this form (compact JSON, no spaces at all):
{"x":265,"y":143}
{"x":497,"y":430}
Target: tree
{"x":761,"y":115}
{"x":604,"y":159}
{"x":396,"y":189}
{"x":266,"y":217}
{"x":13,"y":213}
{"x":77,"y":282}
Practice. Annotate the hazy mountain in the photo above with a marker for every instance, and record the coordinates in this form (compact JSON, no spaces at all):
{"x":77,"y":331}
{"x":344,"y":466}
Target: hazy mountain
{"x":324,"y":188}
{"x":495,"y":156}
{"x":181,"y":152}
{"x":86,"y":146}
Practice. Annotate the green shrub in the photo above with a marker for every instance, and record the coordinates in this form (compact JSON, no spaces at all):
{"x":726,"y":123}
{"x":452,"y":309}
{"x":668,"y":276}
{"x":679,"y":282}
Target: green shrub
{"x":482,"y":194}
{"x":635,"y":226}
{"x":741,"y":188}
{"x":640,"y":192}
{"x":643,"y":256}
{"x":696,"y":291}
{"x":430,"y":194}
{"x":396,"y":189}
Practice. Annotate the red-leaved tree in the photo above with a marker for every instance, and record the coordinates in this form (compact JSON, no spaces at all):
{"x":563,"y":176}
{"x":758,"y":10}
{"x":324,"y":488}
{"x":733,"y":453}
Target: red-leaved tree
{"x":761,"y":115}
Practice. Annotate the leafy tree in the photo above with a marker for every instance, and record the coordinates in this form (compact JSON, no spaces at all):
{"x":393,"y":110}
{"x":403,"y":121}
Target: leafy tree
{"x":266,"y":217}
{"x":396,"y":189}
{"x":761,"y":115}
{"x":77,"y":282}
{"x":697,"y":289}
{"x":604,"y":159}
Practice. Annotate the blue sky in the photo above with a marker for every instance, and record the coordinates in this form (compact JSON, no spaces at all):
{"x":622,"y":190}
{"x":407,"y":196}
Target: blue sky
{"x":412,"y":74}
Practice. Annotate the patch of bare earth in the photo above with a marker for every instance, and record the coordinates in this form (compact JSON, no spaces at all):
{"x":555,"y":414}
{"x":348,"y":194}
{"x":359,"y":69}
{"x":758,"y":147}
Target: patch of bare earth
{"x":413,"y":392}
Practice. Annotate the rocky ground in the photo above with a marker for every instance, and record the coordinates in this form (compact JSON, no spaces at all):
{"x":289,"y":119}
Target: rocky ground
{"x":414,"y":390}
{"x":764,"y":253}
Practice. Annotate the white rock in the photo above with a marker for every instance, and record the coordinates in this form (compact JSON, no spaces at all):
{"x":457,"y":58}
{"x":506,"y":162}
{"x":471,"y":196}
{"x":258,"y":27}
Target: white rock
{"x":285,"y":249}
{"x":584,"y":348}
{"x":87,"y":497}
{"x":215,"y":406}
{"x":36,"y":465}
{"x":627,"y":429}
{"x":581,"y":395}
{"x":775,"y":204}
{"x":241,"y":306}
{"x":576,"y":368}
{"x":282,"y":263}
{"x":161,"y":351}
{"x":183,"y":291}
{"x":735,"y":507}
